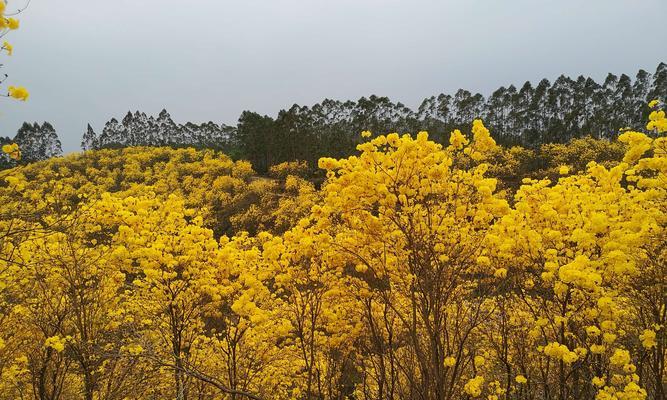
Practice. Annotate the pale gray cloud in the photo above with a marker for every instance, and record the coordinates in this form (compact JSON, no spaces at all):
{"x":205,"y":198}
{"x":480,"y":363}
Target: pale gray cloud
{"x":88,"y":60}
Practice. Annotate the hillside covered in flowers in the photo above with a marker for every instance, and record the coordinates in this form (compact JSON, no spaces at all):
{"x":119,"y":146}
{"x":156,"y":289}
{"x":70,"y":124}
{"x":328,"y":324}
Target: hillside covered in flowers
{"x":409,"y":270}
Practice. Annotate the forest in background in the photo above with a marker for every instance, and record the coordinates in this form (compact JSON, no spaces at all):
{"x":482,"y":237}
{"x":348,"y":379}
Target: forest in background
{"x":528,"y":116}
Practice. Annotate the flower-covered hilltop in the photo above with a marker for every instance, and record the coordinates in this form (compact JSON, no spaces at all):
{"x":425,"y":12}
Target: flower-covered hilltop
{"x":417,"y":270}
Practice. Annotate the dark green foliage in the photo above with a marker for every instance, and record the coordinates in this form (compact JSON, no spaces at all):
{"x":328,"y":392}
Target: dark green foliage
{"x":529,"y":116}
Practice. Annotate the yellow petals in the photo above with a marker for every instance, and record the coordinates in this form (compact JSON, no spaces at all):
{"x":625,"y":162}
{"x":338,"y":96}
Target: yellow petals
{"x":12,"y":150}
{"x":598,"y":381}
{"x":482,"y":140}
{"x":638,"y":145}
{"x":593,"y":331}
{"x":561,"y":352}
{"x":327,"y":163}
{"x":483,"y":261}
{"x":620,"y":357}
{"x":8,"y":48}
{"x":597,"y":349}
{"x":361,"y":268}
{"x":457,"y":140}
{"x":629,"y":368}
{"x":474,"y":386}
{"x":134,"y":349}
{"x":19,"y":93}
{"x":55,"y":342}
{"x":500,"y":273}
{"x":648,"y":338}
{"x":479,"y":361}
{"x":657,"y":121}
{"x":609,"y":338}
{"x":12,"y":23}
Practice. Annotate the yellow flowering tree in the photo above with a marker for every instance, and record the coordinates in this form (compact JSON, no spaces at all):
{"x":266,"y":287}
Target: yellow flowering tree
{"x":408,"y":216}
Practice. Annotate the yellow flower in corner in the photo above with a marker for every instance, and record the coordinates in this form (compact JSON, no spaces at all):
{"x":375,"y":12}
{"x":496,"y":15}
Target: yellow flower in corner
{"x":12,"y":150}
{"x":8,"y":48}
{"x":366,"y":134}
{"x":12,"y":23}
{"x":657,"y":121}
{"x":19,"y":93}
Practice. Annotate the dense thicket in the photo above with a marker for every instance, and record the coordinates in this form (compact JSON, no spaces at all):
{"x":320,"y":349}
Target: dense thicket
{"x":528,"y":116}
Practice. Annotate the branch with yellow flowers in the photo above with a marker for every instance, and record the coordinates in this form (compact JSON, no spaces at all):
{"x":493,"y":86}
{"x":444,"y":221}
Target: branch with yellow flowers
{"x":12,"y":150}
{"x":9,"y":23}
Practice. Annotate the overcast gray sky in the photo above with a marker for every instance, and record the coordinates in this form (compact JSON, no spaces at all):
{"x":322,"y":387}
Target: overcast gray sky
{"x":89,"y":60}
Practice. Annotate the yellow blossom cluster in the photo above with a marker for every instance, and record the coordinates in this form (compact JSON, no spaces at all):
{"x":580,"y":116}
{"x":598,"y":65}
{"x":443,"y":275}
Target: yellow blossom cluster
{"x":12,"y":150}
{"x":18,"y":92}
{"x":474,"y":386}
{"x":56,"y":343}
{"x":560,"y":352}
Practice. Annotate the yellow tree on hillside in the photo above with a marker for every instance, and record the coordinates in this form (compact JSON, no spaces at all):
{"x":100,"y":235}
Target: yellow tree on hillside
{"x":408,"y":216}
{"x":168,"y":258}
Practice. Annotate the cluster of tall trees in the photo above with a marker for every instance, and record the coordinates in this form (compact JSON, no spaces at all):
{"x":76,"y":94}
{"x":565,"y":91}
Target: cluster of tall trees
{"x":529,"y":116}
{"x":548,"y":112}
{"x":138,"y":129}
{"x":37,"y":142}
